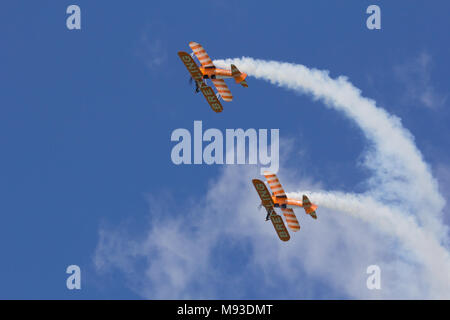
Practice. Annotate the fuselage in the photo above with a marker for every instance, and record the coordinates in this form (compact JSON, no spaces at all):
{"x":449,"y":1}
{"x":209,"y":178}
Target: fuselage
{"x":215,"y":73}
{"x":218,"y":73}
{"x":290,"y":203}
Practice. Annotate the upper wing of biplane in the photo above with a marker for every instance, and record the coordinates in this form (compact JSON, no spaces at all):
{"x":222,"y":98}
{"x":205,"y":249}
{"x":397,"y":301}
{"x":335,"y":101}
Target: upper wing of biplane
{"x":291,"y":219}
{"x":222,"y":87}
{"x":201,"y":54}
{"x":274,"y":184}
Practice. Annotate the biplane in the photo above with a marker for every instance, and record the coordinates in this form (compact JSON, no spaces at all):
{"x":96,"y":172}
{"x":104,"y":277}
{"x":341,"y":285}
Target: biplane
{"x":207,"y":70}
{"x":279,"y":199}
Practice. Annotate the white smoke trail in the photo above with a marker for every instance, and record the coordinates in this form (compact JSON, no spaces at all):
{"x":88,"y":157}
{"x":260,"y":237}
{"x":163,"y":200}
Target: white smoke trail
{"x":401,"y":177}
{"x":394,"y":221}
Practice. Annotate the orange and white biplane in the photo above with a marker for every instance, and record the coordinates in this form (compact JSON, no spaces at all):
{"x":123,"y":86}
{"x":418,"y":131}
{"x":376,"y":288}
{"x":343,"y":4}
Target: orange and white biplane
{"x":279,"y":199}
{"x":207,"y":70}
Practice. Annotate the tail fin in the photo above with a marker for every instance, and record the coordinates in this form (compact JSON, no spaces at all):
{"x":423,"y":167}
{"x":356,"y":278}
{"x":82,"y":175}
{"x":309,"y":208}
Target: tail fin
{"x":238,"y":76}
{"x":235,"y":71}
{"x":310,"y":208}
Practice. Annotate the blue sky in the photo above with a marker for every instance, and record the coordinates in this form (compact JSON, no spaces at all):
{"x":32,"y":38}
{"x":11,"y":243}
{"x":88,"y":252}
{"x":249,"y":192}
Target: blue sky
{"x":86,"y":118}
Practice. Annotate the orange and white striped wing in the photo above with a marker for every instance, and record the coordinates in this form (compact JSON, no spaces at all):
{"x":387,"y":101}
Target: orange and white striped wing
{"x":274,"y":184}
{"x":201,"y":54}
{"x":222,"y":87}
{"x":291,"y":219}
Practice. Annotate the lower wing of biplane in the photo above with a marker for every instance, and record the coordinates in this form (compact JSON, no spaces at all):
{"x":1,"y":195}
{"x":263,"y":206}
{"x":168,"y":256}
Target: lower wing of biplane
{"x":267,"y":202}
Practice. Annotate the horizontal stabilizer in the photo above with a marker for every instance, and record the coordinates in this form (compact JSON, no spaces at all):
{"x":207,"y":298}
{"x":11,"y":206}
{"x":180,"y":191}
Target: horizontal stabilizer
{"x":238,"y":76}
{"x":234,"y":71}
{"x":310,"y":208}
